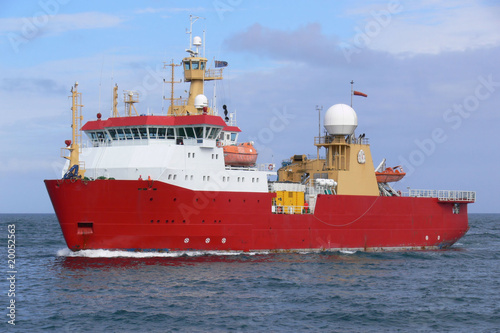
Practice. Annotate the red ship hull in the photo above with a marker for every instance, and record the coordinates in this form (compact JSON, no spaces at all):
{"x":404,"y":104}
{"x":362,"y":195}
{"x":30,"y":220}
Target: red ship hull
{"x":147,"y":215}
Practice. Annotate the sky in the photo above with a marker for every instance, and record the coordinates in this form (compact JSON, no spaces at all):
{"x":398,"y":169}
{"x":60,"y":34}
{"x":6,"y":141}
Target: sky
{"x":430,"y":70}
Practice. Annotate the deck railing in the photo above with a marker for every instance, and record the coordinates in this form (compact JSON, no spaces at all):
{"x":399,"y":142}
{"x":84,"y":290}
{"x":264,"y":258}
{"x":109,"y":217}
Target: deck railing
{"x":276,"y":209}
{"x":443,"y":195}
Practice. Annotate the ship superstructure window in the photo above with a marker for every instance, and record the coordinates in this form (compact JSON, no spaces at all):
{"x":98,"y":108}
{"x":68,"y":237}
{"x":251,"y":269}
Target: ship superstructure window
{"x":180,"y":132}
{"x":112,"y":133}
{"x":170,"y":133}
{"x":128,"y":133}
{"x":121,"y":135}
{"x":189,"y":132}
{"x":212,"y":132}
{"x":152,"y":132}
{"x":199,"y":132}
{"x":135,"y":133}
{"x":98,"y":136}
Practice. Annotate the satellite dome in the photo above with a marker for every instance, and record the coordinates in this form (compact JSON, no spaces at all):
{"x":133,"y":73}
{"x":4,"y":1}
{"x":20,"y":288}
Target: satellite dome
{"x":200,"y":101}
{"x":341,"y":119}
{"x":197,"y":41}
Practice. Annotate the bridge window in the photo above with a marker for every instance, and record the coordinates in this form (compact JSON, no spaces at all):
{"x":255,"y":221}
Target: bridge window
{"x":189,"y":132}
{"x":113,"y":134}
{"x":161,"y":133}
{"x":152,"y":132}
{"x":180,"y":132}
{"x":135,"y":133}
{"x":186,"y":65}
{"x":196,"y":64}
{"x":214,"y":132}
{"x":170,"y":133}
{"x":199,"y":132}
{"x":143,"y":131}
{"x":121,"y":135}
{"x":128,"y":134}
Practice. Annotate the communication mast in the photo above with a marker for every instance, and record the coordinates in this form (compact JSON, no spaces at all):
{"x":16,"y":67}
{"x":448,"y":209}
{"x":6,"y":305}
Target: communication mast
{"x":130,"y":98}
{"x":172,"y":82}
{"x":115,"y":101}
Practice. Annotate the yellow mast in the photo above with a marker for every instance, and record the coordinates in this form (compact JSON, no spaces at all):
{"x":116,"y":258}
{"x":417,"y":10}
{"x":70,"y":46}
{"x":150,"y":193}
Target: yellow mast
{"x":130,"y":98}
{"x":115,"y":101}
{"x":172,"y":82}
{"x":77,"y":118}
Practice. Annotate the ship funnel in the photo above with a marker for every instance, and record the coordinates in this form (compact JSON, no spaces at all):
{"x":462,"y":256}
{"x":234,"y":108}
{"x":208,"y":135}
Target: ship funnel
{"x":341,"y":119}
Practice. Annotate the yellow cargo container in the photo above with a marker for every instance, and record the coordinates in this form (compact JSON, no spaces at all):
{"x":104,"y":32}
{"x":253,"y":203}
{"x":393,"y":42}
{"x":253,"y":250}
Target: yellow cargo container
{"x":292,"y":201}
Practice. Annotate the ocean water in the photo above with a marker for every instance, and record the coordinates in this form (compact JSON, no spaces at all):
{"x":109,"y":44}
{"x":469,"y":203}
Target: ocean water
{"x":457,"y":289}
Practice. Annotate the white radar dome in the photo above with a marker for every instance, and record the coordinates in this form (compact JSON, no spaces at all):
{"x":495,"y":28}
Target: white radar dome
{"x":197,"y":41}
{"x":200,"y":101}
{"x":341,"y":119}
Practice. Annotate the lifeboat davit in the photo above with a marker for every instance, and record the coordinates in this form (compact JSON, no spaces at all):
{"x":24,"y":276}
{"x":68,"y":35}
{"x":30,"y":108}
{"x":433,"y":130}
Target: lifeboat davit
{"x":390,"y":175}
{"x":243,"y":154}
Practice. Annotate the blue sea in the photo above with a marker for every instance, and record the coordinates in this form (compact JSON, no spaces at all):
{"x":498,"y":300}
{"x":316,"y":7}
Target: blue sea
{"x":457,"y":289}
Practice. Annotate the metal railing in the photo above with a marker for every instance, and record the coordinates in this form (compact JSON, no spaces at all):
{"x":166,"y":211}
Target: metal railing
{"x":340,"y":140}
{"x":442,"y":195}
{"x":277,"y":209}
{"x":463,"y":196}
{"x":213,"y":73}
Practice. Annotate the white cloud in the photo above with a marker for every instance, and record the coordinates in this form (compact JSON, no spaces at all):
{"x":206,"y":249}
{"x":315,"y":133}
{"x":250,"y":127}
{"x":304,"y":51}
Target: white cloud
{"x":30,"y":27}
{"x":431,"y":28}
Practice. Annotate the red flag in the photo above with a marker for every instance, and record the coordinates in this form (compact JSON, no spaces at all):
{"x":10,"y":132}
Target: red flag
{"x":358,"y":93}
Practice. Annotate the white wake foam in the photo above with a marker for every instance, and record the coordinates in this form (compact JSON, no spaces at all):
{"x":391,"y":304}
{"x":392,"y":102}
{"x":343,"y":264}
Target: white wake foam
{"x":130,"y":254}
{"x":348,"y":251}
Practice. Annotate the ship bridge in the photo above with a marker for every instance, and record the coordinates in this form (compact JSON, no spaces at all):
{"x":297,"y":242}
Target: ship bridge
{"x":199,"y":129}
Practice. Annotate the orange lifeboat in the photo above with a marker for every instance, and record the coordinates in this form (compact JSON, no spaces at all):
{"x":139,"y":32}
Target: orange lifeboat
{"x":390,"y":175}
{"x":243,"y":154}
